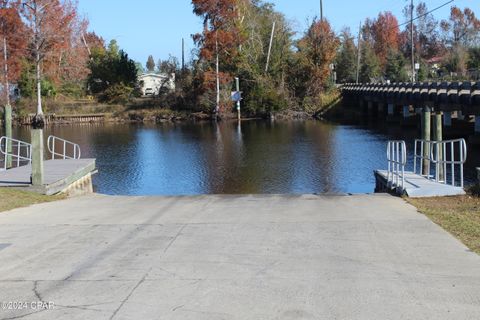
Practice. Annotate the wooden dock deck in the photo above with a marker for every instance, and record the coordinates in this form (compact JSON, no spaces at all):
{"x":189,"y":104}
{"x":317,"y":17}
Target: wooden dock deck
{"x":417,"y":186}
{"x":58,"y":175}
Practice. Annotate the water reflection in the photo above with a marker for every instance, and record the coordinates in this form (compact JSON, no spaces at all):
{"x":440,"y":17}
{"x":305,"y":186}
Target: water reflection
{"x":231,"y":157}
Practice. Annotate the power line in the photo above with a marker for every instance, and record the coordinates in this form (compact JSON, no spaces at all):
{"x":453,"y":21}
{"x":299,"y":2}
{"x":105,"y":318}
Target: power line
{"x":426,"y":13}
{"x":417,"y":17}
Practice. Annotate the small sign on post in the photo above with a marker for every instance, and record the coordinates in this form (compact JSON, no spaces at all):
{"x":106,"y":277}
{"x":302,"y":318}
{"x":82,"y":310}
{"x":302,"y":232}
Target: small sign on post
{"x":236,"y":96}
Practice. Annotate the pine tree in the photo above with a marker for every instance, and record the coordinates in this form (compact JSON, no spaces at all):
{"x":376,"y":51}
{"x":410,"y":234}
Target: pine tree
{"x":346,"y":59}
{"x":150,"y":64}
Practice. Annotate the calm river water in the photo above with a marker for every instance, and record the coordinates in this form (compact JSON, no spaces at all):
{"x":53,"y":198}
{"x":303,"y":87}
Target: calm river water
{"x":255,"y":157}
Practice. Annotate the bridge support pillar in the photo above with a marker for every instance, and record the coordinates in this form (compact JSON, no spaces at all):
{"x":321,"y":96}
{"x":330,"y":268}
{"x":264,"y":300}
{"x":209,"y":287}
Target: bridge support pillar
{"x":447,"y":118}
{"x":426,"y":127}
{"x":380,"y":109}
{"x":391,"y":109}
{"x":7,"y":123}
{"x":37,"y":157}
{"x":369,"y":108}
{"x":477,"y":125}
{"x":438,"y":136}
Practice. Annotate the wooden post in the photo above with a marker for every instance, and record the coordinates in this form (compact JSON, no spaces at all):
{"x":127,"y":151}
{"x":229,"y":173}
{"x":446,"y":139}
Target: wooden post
{"x":438,"y":136}
{"x":37,"y":157}
{"x":8,"y":132}
{"x":426,"y":127}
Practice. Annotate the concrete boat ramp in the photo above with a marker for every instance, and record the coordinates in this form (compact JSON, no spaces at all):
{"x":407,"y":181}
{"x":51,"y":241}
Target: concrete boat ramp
{"x":234,"y":257}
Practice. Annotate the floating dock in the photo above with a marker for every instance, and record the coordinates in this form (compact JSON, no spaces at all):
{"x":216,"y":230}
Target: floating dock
{"x":416,"y":186}
{"x":59,"y":176}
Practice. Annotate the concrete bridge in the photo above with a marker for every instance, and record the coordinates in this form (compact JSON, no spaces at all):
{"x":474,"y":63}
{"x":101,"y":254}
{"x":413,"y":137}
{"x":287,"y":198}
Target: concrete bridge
{"x":446,"y":100}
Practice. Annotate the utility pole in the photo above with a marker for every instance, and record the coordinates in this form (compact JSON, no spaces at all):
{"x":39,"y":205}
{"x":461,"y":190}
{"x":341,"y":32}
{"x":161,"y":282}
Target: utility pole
{"x":217,"y":69}
{"x":86,"y":45}
{"x":412,"y":40}
{"x":321,"y":10}
{"x":359,"y":50}
{"x":270,"y":47}
{"x":183,"y":54}
{"x":8,"y":108}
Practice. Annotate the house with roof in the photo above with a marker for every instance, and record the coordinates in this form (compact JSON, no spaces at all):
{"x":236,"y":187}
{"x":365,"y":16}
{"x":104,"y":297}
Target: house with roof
{"x":152,"y":84}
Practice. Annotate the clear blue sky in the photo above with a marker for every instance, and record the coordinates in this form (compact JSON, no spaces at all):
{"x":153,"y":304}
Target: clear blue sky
{"x":144,"y":27}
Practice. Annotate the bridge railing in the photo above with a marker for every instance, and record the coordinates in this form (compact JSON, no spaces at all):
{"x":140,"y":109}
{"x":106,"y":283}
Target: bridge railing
{"x":397,"y":159}
{"x":63,"y":149}
{"x":17,"y":152}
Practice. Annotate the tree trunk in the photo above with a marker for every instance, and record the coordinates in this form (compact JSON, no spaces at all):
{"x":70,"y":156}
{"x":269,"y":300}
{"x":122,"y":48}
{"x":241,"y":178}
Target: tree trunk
{"x":38,"y":121}
{"x":217,"y":107}
{"x":7,"y":85}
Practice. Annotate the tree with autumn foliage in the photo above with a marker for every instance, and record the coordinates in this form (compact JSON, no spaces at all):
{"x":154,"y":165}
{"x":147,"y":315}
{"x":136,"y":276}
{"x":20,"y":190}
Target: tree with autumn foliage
{"x":316,"y":52}
{"x":50,"y":24}
{"x":218,"y":45}
{"x":383,"y":34}
{"x":265,"y":91}
{"x":13,"y":42}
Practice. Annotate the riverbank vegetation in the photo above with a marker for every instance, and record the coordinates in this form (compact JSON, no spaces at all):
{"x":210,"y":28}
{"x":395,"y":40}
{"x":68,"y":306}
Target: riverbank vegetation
{"x":280,"y":70}
{"x":460,"y":216}
{"x":13,"y":198}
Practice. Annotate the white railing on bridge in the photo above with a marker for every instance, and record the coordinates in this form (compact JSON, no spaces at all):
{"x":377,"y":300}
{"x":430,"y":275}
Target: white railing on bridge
{"x":397,"y":159}
{"x":63,"y":149}
{"x":15,"y":151}
{"x":446,"y":156}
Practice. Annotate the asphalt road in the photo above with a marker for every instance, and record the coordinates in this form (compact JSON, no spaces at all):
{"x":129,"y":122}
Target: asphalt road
{"x":233,"y":257}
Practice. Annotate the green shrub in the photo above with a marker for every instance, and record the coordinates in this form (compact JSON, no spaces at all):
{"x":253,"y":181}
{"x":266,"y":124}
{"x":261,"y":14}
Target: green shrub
{"x":117,"y":94}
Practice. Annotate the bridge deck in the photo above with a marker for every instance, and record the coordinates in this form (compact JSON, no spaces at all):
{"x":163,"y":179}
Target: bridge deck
{"x":417,"y":186}
{"x":58,"y":174}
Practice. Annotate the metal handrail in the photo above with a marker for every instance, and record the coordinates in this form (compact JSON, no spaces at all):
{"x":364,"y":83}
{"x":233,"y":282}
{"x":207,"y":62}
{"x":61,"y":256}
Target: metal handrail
{"x":51,"y":142}
{"x":439,"y":157}
{"x":397,"y":159}
{"x":18,"y":156}
{"x":425,"y":155}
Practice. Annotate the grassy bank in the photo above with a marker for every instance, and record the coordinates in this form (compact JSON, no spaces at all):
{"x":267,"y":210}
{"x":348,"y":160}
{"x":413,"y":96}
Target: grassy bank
{"x":12,"y":199}
{"x":460,"y":216}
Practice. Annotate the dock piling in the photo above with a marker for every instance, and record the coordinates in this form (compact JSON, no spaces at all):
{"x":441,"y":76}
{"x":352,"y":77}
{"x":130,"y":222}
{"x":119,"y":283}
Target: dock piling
{"x":37,"y":157}
{"x":426,"y":127}
{"x":8,"y":132}
{"x":438,"y":136}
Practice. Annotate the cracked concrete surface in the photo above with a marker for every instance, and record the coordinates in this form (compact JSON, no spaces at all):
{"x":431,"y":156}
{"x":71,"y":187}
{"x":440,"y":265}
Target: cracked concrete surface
{"x":234,"y":257}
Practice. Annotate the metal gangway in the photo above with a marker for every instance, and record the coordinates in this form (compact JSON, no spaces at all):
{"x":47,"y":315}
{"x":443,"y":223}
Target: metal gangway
{"x":63,"y":149}
{"x":14,"y":153}
{"x":438,"y":168}
{"x":446,"y":157}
